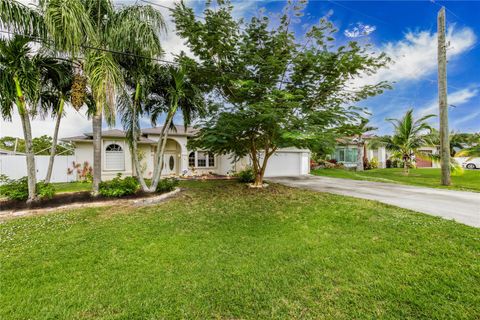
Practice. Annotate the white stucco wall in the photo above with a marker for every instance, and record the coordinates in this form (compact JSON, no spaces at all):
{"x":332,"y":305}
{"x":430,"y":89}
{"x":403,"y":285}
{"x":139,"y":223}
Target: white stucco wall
{"x":284,"y":162}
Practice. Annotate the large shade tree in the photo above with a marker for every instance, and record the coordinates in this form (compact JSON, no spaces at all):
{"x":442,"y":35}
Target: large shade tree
{"x":273,"y":90}
{"x":92,"y":32}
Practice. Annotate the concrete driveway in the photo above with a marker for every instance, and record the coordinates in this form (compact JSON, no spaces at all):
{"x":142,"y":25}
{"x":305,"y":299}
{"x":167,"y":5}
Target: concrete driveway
{"x":461,"y":206}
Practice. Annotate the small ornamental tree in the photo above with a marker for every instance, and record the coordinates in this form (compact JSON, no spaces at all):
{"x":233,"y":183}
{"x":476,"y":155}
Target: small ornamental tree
{"x":275,"y":91}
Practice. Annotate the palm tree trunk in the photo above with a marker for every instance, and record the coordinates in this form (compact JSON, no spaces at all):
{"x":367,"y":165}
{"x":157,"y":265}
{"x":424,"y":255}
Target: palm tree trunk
{"x":53,"y":151}
{"x":27,"y":133}
{"x":161,"y":144}
{"x":360,"y":157}
{"x":134,"y":144}
{"x":405,"y":166}
{"x":97,"y":151}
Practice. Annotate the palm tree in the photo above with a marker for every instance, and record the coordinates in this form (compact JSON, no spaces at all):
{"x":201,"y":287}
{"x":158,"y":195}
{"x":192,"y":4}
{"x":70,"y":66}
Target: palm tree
{"x":173,"y":91}
{"x":361,"y":129}
{"x":471,"y":152}
{"x":138,"y":77}
{"x":21,"y":75}
{"x":53,"y":98}
{"x":91,"y":31}
{"x":409,"y":135}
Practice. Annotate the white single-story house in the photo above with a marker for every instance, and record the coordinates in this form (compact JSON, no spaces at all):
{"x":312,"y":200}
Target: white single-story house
{"x":346,"y":152}
{"x":178,"y":159}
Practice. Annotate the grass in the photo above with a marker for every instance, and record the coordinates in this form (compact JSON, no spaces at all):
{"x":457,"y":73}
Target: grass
{"x":76,"y":186}
{"x":222,"y":251}
{"x":468,"y":181}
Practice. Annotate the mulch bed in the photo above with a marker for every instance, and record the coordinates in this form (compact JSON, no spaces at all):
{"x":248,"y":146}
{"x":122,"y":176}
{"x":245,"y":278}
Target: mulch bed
{"x":62,"y":199}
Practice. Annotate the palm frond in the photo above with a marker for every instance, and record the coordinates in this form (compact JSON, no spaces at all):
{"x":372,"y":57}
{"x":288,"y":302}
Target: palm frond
{"x":105,"y":79}
{"x":136,"y":29}
{"x":16,"y":16}
{"x":68,"y":24}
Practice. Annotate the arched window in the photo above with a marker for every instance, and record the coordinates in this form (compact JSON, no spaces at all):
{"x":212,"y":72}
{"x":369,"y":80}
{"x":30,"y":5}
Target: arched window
{"x":114,"y":157}
{"x":191,"y":159}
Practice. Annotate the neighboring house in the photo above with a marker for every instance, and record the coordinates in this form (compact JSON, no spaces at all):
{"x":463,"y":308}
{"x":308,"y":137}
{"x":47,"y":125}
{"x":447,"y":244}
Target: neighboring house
{"x":4,"y":152}
{"x":178,"y":159}
{"x":346,"y":152}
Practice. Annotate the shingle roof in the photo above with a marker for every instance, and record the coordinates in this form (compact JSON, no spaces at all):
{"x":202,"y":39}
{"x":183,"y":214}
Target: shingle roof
{"x":179,"y":130}
{"x":116,"y":133}
{"x":113,"y":133}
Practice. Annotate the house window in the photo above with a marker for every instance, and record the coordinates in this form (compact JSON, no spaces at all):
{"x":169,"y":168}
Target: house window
{"x":171,"y":163}
{"x":191,"y":159}
{"x":348,"y":155}
{"x":211,"y":160}
{"x":201,"y":159}
{"x":114,"y":157}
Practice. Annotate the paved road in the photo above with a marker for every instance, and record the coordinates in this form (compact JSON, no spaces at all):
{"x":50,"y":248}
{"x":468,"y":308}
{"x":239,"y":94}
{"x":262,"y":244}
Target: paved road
{"x":462,"y":206}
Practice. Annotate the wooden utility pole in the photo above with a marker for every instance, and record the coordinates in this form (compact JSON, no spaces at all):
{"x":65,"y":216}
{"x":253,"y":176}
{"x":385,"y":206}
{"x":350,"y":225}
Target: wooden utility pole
{"x":442,"y":100}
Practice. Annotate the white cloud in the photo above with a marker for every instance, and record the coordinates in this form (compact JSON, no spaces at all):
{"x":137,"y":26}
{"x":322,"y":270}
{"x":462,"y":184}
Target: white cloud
{"x":466,"y":118}
{"x":455,"y":98}
{"x":415,"y":56}
{"x":360,"y":30}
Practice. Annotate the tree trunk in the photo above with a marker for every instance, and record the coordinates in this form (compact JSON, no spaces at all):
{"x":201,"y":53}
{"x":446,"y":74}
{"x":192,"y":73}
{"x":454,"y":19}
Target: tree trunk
{"x":405,"y":166}
{"x":161,"y":144}
{"x":134,"y":145}
{"x":30,"y":156}
{"x":27,"y":134}
{"x":360,"y":156}
{"x":97,"y":151}
{"x":53,"y":151}
{"x":260,"y":171}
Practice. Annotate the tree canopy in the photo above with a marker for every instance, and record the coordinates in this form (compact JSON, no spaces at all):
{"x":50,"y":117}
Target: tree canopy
{"x":271,"y":90}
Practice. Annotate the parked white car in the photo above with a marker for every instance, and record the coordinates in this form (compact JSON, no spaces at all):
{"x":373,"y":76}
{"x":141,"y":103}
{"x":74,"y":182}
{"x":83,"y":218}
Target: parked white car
{"x":473,"y":163}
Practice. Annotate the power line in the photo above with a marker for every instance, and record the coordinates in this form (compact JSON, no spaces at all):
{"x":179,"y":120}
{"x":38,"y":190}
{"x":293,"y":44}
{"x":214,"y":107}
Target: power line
{"x":40,"y":40}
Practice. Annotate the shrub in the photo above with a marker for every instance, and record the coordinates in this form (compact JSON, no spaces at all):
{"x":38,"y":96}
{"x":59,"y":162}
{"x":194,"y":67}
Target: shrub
{"x":118,"y":187}
{"x":370,"y":164}
{"x":326,"y":164}
{"x":14,"y":189}
{"x":246,"y":175}
{"x":18,"y":189}
{"x":45,"y":190}
{"x":334,"y":161}
{"x":166,"y":185}
{"x":84,"y":173}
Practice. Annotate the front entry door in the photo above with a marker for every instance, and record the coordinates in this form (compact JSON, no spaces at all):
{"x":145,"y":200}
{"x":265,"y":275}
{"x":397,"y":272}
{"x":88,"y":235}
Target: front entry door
{"x":169,"y":164}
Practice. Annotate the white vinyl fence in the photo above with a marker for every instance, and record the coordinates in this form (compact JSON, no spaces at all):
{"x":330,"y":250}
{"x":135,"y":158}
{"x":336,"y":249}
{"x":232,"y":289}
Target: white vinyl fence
{"x":15,"y":167}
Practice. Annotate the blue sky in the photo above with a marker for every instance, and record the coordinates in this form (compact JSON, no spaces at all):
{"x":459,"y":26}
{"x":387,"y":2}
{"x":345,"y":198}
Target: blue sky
{"x":406,"y":30}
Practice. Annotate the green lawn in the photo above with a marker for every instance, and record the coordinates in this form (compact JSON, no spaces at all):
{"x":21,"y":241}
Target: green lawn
{"x":63,"y":187}
{"x":469,"y":180}
{"x":222,"y":251}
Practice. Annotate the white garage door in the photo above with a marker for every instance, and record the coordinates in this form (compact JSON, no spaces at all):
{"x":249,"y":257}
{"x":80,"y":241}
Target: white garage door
{"x":287,"y":164}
